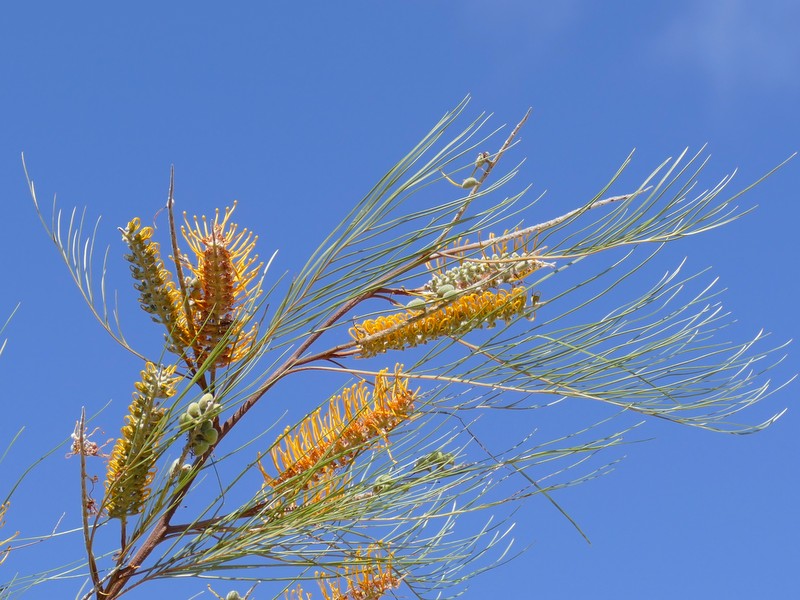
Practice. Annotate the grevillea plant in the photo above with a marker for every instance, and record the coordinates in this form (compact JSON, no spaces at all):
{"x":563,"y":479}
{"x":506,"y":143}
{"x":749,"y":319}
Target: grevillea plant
{"x":430,"y":337}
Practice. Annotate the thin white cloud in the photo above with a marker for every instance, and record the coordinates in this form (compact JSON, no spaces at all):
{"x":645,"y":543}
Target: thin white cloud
{"x":737,"y":43}
{"x":544,"y":21}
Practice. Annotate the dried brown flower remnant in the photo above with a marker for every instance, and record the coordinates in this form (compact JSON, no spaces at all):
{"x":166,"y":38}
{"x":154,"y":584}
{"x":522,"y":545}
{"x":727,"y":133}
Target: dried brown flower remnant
{"x":90,"y":447}
{"x":5,"y":552}
{"x":131,"y":467}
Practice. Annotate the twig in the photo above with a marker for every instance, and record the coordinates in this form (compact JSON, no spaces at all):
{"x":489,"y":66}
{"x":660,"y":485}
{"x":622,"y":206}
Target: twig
{"x":483,"y":177}
{"x":535,"y":483}
{"x":335,"y":350}
{"x":176,"y":258}
{"x":536,"y":228}
{"x":84,"y":503}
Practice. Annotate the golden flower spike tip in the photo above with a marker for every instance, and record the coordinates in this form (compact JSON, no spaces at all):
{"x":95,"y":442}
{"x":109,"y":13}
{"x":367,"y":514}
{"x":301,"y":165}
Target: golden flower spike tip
{"x":222,"y":287}
{"x":297,"y":594}
{"x":131,"y":467}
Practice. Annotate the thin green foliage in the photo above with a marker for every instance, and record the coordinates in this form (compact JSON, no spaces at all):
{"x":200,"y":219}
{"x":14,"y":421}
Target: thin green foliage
{"x":395,"y":470}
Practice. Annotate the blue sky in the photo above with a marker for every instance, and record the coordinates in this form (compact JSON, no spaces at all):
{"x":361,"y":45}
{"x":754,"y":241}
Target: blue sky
{"x":296,"y":112}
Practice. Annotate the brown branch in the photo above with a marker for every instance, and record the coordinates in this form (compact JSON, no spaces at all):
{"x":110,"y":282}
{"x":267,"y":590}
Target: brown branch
{"x":206,"y":523}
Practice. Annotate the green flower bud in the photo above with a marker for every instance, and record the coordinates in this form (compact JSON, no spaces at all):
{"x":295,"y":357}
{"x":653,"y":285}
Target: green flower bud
{"x":416,"y":304}
{"x":205,"y":402}
{"x":469,"y":182}
{"x":211,"y":436}
{"x":443,"y":289}
{"x":194,"y":410}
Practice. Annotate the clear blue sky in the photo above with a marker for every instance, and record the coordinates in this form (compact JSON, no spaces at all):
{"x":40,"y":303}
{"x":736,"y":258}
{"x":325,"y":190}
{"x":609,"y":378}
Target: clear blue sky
{"x":297,"y":111}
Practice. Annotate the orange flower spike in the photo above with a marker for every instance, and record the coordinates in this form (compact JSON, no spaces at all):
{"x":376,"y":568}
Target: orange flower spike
{"x":346,"y":431}
{"x":238,"y":247}
{"x":224,"y":273}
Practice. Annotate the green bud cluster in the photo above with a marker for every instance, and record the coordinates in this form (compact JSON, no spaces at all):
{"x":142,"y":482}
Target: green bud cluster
{"x":443,"y":292}
{"x":383,"y":482}
{"x":435,"y":461}
{"x":198,"y":421}
{"x":387,"y":481}
{"x":498,"y":269}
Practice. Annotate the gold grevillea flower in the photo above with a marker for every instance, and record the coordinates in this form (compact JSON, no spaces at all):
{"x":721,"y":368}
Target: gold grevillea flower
{"x":223,"y":283}
{"x":413,"y":327}
{"x":320,"y":445}
{"x":157,"y":292}
{"x":131,"y":467}
{"x":368,"y":580}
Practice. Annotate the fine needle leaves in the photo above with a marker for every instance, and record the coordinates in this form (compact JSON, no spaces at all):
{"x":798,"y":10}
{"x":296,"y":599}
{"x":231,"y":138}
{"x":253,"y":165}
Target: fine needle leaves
{"x":440,"y":310}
